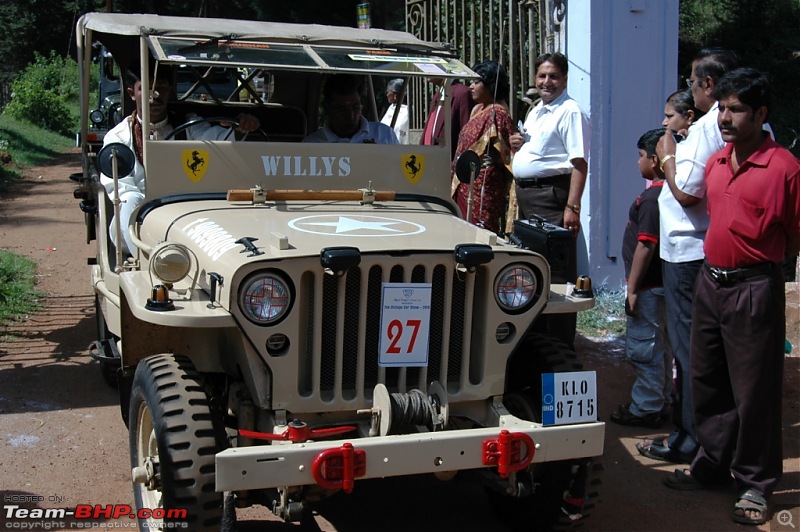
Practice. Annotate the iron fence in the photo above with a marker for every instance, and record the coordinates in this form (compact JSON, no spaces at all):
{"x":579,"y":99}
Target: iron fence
{"x":512,"y":32}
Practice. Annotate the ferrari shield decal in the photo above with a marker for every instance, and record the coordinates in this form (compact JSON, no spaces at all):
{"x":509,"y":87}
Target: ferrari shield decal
{"x":195,"y":163}
{"x":413,"y":167}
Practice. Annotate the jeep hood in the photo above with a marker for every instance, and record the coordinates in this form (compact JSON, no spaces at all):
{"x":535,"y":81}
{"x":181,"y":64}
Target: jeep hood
{"x":219,"y":232}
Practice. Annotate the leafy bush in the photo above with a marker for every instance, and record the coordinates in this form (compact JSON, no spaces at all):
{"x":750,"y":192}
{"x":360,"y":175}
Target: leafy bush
{"x":40,"y":93}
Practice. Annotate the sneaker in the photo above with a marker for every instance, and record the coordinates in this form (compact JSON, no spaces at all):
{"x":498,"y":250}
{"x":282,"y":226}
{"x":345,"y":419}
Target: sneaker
{"x":623,"y":416}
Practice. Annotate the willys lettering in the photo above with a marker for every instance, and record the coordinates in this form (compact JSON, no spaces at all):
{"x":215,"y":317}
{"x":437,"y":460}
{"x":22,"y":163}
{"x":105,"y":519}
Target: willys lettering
{"x":298,"y":165}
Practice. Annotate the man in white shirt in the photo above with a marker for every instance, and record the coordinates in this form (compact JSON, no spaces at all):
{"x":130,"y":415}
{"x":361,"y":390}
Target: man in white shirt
{"x":684,"y":221}
{"x":394,"y":90}
{"x":129,"y":132}
{"x":550,"y":159}
{"x":341,"y":99}
{"x":550,"y":164}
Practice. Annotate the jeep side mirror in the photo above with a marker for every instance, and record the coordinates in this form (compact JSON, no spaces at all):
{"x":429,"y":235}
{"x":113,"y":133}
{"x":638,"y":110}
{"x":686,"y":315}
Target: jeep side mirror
{"x":124,"y":155}
{"x":468,"y":163}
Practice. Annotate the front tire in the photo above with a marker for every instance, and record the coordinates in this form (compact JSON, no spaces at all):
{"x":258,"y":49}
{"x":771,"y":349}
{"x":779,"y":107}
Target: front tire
{"x":542,"y":508}
{"x":173,"y":440}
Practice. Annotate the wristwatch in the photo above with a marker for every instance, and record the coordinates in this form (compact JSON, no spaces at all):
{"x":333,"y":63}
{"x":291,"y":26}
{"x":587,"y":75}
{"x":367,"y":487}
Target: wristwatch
{"x":574,"y":208}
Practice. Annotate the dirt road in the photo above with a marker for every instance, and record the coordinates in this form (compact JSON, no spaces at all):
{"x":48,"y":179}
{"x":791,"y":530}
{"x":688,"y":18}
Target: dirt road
{"x":62,"y":442}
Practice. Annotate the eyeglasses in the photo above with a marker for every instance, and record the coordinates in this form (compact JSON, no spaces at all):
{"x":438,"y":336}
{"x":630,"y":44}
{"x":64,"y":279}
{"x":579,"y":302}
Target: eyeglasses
{"x":690,"y":82}
{"x":343,"y":109}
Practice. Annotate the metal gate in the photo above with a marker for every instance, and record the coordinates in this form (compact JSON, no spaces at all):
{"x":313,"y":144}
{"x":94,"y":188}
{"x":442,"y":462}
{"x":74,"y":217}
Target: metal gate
{"x":512,"y":32}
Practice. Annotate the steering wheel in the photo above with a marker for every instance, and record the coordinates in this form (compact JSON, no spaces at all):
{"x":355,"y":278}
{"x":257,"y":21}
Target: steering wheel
{"x":200,"y":120}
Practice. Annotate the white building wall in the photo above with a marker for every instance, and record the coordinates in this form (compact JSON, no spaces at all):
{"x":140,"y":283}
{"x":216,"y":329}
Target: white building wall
{"x":623,"y":58}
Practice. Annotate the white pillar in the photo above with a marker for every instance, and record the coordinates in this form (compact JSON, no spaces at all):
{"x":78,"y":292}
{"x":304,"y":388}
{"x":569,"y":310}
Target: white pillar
{"x":622,"y":63}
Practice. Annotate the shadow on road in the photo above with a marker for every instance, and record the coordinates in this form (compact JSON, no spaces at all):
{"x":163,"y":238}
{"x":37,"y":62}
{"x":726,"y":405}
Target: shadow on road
{"x":45,"y":363}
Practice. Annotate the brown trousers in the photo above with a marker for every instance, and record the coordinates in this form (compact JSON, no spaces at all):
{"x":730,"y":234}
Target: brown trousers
{"x":737,"y":359}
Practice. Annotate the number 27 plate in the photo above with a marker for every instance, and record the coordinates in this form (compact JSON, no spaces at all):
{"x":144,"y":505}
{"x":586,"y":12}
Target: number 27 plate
{"x":405,"y":324}
{"x":569,"y":397}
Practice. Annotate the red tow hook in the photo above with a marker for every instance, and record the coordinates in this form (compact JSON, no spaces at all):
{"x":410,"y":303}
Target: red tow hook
{"x":298,"y":432}
{"x":506,"y":452}
{"x":337,"y":468}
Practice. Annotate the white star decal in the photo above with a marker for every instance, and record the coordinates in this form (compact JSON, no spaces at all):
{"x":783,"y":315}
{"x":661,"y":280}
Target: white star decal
{"x":346,"y":224}
{"x":357,"y":225}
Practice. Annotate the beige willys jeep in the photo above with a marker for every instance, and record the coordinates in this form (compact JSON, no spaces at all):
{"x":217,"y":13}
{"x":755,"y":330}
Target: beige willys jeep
{"x":297,"y":317}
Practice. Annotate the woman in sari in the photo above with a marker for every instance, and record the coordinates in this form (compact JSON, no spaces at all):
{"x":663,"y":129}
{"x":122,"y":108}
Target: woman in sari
{"x":487,"y":134}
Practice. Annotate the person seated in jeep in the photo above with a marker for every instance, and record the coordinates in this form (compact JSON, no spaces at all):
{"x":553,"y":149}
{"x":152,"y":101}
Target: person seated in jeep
{"x":341,"y":99}
{"x":129,"y":133}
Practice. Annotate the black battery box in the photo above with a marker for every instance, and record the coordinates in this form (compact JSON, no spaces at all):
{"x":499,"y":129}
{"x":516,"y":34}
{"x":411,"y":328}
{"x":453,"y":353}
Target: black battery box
{"x":551,"y":241}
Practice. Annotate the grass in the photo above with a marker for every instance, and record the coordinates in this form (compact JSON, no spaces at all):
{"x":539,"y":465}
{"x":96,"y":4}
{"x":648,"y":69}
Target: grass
{"x":18,"y":294}
{"x":28,"y":146}
{"x":607,"y":318}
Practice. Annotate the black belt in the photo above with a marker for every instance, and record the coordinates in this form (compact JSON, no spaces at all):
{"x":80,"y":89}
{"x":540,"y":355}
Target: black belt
{"x":529,"y":182}
{"x":730,"y":276}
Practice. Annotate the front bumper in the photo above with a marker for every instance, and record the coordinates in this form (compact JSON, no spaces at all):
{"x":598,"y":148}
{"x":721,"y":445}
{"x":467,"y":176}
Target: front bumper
{"x":293,"y":464}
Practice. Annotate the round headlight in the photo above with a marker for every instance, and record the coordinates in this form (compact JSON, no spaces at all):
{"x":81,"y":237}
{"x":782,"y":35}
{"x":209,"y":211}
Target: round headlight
{"x":97,"y":117}
{"x":170,"y":262}
{"x":516,"y":288}
{"x":265,"y":298}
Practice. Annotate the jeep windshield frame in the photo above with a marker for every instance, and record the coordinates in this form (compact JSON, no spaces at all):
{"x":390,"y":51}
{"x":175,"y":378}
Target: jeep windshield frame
{"x":306,"y":52}
{"x":382,"y":60}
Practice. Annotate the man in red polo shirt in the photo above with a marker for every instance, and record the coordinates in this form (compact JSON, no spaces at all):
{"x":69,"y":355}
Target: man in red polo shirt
{"x":738,"y":314}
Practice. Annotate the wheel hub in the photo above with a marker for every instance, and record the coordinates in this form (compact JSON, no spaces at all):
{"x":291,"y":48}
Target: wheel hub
{"x":148,"y":473}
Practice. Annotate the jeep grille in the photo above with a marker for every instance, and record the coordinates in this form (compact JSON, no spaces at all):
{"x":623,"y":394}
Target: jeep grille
{"x":342,"y":342}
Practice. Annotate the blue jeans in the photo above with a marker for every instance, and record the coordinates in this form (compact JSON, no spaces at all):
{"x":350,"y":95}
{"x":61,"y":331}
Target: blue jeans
{"x":646,"y":351}
{"x":679,"y":279}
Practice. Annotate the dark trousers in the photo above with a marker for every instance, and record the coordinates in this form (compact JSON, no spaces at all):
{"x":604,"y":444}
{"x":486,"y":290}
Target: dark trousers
{"x":737,"y":371}
{"x":679,"y":280}
{"x":548,"y":200}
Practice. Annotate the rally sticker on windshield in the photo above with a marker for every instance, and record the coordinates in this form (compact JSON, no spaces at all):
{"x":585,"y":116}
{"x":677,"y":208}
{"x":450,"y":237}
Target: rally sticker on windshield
{"x":396,"y":58}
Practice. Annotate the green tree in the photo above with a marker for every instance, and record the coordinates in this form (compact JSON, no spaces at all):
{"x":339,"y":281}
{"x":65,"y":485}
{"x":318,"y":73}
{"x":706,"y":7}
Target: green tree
{"x":28,"y":26}
{"x":765,"y":35}
{"x":41,"y":91}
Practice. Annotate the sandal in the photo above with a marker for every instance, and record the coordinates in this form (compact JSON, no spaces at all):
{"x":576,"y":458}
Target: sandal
{"x":658,"y":449}
{"x":682,"y":480}
{"x":751,"y":500}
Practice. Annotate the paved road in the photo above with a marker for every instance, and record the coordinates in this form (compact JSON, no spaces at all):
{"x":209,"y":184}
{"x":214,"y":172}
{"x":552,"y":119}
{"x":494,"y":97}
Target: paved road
{"x":62,"y":442}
